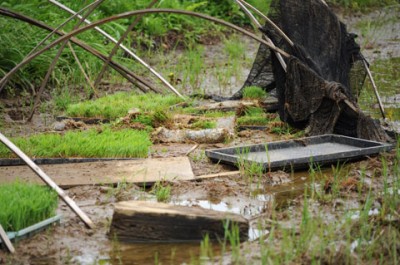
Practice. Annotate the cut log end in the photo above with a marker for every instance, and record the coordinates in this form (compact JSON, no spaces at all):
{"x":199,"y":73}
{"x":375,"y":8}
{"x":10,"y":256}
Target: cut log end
{"x":140,"y":221}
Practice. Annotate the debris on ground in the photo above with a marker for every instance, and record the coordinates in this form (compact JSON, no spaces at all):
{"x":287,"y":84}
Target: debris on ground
{"x":209,"y":136}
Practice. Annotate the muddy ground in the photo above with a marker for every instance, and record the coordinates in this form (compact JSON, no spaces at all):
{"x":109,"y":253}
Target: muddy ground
{"x":71,"y":243}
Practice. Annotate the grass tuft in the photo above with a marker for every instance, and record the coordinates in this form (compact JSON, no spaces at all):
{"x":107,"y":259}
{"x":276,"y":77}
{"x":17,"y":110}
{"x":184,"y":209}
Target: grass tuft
{"x":117,"y":105}
{"x":162,"y":191}
{"x":254,"y":92}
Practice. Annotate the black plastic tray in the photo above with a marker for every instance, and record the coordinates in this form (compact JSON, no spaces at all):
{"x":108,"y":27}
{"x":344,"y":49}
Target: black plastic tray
{"x":300,"y":153}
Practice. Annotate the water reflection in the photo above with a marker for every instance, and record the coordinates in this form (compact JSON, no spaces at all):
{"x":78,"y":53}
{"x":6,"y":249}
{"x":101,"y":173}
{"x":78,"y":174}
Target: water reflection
{"x":160,"y":253}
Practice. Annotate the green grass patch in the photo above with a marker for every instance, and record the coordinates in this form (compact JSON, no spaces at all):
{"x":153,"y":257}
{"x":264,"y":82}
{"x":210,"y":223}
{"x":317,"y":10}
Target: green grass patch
{"x":162,"y":191}
{"x":218,"y":114}
{"x":252,"y":120}
{"x":23,"y":205}
{"x":90,"y":143}
{"x":204,"y":124}
{"x":117,"y":105}
{"x":254,"y":92}
{"x":254,"y":116}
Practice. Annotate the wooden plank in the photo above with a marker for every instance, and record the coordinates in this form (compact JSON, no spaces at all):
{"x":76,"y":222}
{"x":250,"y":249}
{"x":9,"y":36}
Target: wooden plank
{"x":144,"y":171}
{"x":139,"y":221}
{"x":6,"y":240}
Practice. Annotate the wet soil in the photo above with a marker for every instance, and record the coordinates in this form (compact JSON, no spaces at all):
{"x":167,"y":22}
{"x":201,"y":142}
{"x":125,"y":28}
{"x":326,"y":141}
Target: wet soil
{"x":72,"y":243}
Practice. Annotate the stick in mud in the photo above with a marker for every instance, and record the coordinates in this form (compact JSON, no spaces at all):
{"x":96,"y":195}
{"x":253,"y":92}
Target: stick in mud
{"x":375,"y":88}
{"x":48,"y":181}
{"x":6,"y":241}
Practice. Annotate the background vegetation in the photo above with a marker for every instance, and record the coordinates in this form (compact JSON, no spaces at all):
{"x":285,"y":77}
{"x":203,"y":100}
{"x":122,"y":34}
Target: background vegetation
{"x":18,"y":39}
{"x":153,"y":32}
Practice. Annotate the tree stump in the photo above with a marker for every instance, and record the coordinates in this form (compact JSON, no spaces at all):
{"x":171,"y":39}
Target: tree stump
{"x":141,"y":221}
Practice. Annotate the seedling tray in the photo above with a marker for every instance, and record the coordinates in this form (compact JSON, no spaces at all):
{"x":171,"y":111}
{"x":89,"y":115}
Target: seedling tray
{"x":300,"y":153}
{"x":33,"y":229}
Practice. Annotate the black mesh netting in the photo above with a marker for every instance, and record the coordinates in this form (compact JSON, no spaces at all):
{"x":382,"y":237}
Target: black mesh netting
{"x":325,"y":73}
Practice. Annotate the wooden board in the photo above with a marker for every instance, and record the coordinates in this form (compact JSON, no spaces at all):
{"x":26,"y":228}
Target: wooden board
{"x":139,"y":221}
{"x":144,"y":171}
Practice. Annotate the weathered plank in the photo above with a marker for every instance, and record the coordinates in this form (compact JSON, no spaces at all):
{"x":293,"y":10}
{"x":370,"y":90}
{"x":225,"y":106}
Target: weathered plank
{"x":144,"y":171}
{"x":139,"y":221}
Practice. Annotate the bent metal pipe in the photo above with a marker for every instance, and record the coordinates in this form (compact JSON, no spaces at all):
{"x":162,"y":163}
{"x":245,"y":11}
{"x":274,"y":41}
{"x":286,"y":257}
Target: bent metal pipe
{"x":128,"y":51}
{"x":138,"y":81}
{"x":135,"y":13}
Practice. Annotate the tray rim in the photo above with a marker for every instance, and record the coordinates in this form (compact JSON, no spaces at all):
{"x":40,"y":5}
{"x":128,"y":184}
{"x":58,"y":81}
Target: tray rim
{"x":377,"y":147}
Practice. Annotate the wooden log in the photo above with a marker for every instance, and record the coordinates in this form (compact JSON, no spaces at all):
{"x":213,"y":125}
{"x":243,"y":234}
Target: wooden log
{"x":142,"y":221}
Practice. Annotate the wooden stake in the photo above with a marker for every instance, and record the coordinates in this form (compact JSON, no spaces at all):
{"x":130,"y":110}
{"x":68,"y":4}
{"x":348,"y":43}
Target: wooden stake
{"x":48,"y":181}
{"x":6,"y":241}
{"x":375,"y":88}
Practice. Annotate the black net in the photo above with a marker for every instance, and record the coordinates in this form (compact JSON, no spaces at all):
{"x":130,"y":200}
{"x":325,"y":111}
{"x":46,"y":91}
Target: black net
{"x":319,"y":89}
